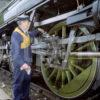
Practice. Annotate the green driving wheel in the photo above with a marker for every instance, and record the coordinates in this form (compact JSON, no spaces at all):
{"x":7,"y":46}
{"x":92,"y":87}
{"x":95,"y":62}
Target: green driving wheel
{"x":80,"y":72}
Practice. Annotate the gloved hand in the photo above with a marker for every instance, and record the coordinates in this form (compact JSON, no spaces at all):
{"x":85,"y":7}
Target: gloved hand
{"x":27,"y":68}
{"x":41,"y":30}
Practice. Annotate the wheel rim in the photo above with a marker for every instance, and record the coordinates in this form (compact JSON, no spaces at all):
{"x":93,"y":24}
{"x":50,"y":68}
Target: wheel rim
{"x":79,"y":75}
{"x":1,"y":51}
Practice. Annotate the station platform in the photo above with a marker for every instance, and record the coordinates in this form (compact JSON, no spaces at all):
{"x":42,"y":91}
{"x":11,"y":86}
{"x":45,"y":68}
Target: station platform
{"x":3,"y":95}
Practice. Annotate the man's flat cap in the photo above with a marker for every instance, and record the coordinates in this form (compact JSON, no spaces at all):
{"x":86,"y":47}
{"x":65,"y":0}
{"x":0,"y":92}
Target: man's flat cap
{"x":23,"y":17}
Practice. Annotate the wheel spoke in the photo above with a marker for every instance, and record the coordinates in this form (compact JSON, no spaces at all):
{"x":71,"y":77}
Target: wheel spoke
{"x":52,"y":74}
{"x":64,"y":31}
{"x":63,"y":79}
{"x":78,"y":67}
{"x":56,"y":32}
{"x":72,"y":71}
{"x":46,"y":66}
{"x":83,"y":46}
{"x":58,"y":75}
{"x":68,"y":74}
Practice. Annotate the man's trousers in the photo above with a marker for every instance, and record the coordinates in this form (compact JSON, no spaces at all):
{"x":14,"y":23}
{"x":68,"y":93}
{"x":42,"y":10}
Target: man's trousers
{"x":21,"y":84}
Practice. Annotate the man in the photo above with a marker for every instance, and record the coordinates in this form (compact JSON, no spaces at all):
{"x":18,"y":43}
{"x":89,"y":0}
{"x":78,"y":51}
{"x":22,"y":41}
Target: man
{"x":22,"y":57}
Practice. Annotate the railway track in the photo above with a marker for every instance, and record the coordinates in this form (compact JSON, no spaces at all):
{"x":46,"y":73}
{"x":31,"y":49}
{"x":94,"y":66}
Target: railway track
{"x":36,"y":92}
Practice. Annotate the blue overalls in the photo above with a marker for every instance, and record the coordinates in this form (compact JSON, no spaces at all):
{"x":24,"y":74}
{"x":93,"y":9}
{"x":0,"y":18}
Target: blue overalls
{"x":21,"y":53}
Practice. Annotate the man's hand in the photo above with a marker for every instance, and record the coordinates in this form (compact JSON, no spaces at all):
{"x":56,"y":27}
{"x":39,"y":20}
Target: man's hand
{"x":24,"y":66}
{"x":41,"y":30}
{"x":27,"y":68}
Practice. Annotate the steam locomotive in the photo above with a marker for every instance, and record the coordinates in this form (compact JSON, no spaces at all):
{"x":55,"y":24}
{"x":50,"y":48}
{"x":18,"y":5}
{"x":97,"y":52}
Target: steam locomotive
{"x":68,"y":54}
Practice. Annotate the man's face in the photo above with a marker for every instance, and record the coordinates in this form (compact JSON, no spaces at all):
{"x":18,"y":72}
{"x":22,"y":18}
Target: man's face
{"x":25,"y":24}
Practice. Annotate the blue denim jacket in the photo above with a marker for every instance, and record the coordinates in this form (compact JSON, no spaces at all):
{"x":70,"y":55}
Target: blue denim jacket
{"x":20,"y":56}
